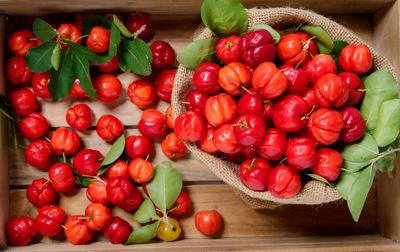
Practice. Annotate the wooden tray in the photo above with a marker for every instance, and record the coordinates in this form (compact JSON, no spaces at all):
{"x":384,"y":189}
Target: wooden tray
{"x":302,"y":228}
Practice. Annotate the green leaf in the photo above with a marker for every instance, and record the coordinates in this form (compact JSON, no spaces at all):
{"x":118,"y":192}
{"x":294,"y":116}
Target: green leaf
{"x":354,"y":166}
{"x":224,"y":17}
{"x":337,"y":49}
{"x":38,"y":59}
{"x":121,"y":27}
{"x":380,"y":86}
{"x":81,"y":69}
{"x":361,"y":151}
{"x":115,"y":151}
{"x":135,"y":58}
{"x":319,"y":178}
{"x":61,"y":81}
{"x":324,"y":42}
{"x":146,"y":212}
{"x":387,"y":128}
{"x":85,"y":181}
{"x":145,"y":48}
{"x":275,"y":35}
{"x":143,"y":234}
{"x":95,"y":20}
{"x":198,"y":52}
{"x":122,"y":65}
{"x":385,"y":163}
{"x":165,"y":186}
{"x":345,"y":183}
{"x":56,"y":56}
{"x":359,"y":191}
{"x":43,"y":30}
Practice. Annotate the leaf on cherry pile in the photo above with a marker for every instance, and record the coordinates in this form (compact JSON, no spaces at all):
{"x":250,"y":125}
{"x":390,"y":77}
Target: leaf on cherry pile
{"x":143,"y":234}
{"x":43,"y":30}
{"x":387,"y":128}
{"x":319,"y":178}
{"x":136,"y":56}
{"x":38,"y":59}
{"x":61,"y":81}
{"x":81,"y":70}
{"x":275,"y":35}
{"x":146,"y":212}
{"x":361,"y":151}
{"x":198,"y":52}
{"x":224,"y":17}
{"x":113,"y":154}
{"x":56,"y":56}
{"x":324,"y":42}
{"x":121,"y":27}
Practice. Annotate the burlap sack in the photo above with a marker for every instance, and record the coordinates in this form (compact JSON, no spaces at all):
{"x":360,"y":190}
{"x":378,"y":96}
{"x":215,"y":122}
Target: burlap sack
{"x":313,"y":192}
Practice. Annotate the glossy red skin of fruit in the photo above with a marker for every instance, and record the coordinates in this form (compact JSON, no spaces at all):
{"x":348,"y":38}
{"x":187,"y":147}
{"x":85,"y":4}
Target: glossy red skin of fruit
{"x":41,"y":192}
{"x":256,"y":47}
{"x":249,"y":130}
{"x":49,"y":220}
{"x":254,"y":173}
{"x":40,"y":81}
{"x":109,"y":128}
{"x":108,"y":88}
{"x":170,"y":117}
{"x":273,"y":145}
{"x":24,"y":101}
{"x":250,"y":104}
{"x":325,"y":125}
{"x":319,"y":65}
{"x":69,"y":32}
{"x":77,"y":91}
{"x":62,"y":177}
{"x":141,"y":93}
{"x":33,"y":126}
{"x":196,"y":101}
{"x":291,"y":48}
{"x":311,"y":99}
{"x":135,"y":21}
{"x":228,"y":49}
{"x":301,"y":153}
{"x":189,"y":126}
{"x":132,"y":202}
{"x":220,"y":109}
{"x":206,"y":143}
{"x":119,"y":189}
{"x":172,"y":147}
{"x":354,"y":83}
{"x":140,"y":170}
{"x":20,"y":230}
{"x":355,"y":58}
{"x":17,"y":72}
{"x":109,"y":66}
{"x":284,"y":182}
{"x":39,"y":153}
{"x":19,"y":42}
{"x":234,"y":78}
{"x":205,"y":78}
{"x":329,"y":164}
{"x":225,"y":140}
{"x":331,"y":91}
{"x":77,"y":230}
{"x":138,"y":147}
{"x":354,"y":125}
{"x":208,"y":222}
{"x":98,"y":40}
{"x":268,"y":81}
{"x":118,"y":231}
{"x":118,"y":169}
{"x":249,"y":152}
{"x":79,"y":117}
{"x":290,"y":113}
{"x":65,"y":141}
{"x":87,"y":162}
{"x":96,"y":191}
{"x":181,"y":205}
{"x":267,"y":111}
{"x":297,"y":79}
{"x":164,"y":82}
{"x":153,"y":123}
{"x":163,"y":55}
{"x":99,"y":216}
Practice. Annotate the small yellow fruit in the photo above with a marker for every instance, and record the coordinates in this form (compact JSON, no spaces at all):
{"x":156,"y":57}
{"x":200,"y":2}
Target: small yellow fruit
{"x":169,"y":231}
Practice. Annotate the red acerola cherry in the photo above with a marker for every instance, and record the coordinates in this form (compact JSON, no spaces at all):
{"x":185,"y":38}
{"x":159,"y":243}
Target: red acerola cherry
{"x":69,"y":32}
{"x":249,"y":152}
{"x":118,"y":169}
{"x":76,"y":230}
{"x":329,"y":164}
{"x":141,"y":93}
{"x":77,"y":91}
{"x":205,"y":78}
{"x":225,"y":140}
{"x":228,"y":49}
{"x":196,"y":101}
{"x":109,"y":128}
{"x":310,"y":98}
{"x":295,"y":48}
{"x":40,"y":81}
{"x":163,"y":55}
{"x":331,"y":91}
{"x":24,"y":101}
{"x":273,"y":145}
{"x":108,"y":88}
{"x":249,"y":130}
{"x":319,"y":65}
{"x":98,"y":40}
{"x":109,"y":66}
{"x":254,"y":173}
{"x":356,"y":58}
{"x":301,"y":153}
{"x":153,"y":123}
{"x":17,"y":72}
{"x":189,"y":126}
{"x":172,"y":147}
{"x":118,"y":231}
{"x":325,"y":125}
{"x":181,"y":205}
{"x":138,"y":147}
{"x":208,"y":222}
{"x":79,"y":117}
{"x":268,"y":81}
{"x":49,"y":220}
{"x":284,"y":182}
{"x":39,"y":153}
{"x":96,"y":191}
{"x":290,"y":113}
{"x":251,"y":103}
{"x":138,"y":21}
{"x":133,"y":201}
{"x":99,"y":216}
{"x":354,"y":125}
{"x":119,"y":189}
{"x":206,"y":143}
{"x":65,"y":141}
{"x":33,"y":126}
{"x":297,"y":79}
{"x":256,"y":47}
{"x":354,"y":84}
{"x":40,"y":192}
{"x":20,"y":230}
{"x":220,"y":109}
{"x":62,"y":177}
{"x":21,"y":41}
{"x":234,"y":78}
{"x":164,"y":82}
{"x":87,"y":162}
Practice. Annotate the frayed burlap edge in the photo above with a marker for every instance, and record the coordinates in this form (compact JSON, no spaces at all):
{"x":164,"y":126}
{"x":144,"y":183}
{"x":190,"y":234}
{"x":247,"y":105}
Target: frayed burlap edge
{"x":313,"y":192}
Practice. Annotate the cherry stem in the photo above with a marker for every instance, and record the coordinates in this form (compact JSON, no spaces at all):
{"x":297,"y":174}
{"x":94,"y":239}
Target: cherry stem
{"x":252,"y":164}
{"x":7,"y":115}
{"x":187,"y":103}
{"x":283,"y":160}
{"x":64,"y":227}
{"x":245,"y":89}
{"x":127,"y":161}
{"x":228,"y":44}
{"x":309,"y":113}
{"x":173,"y":155}
{"x":298,"y":27}
{"x":64,"y":158}
{"x":32,"y":39}
{"x":45,"y":183}
{"x":174,"y":208}
{"x":23,"y":147}
{"x":85,"y":218}
{"x":81,"y":37}
{"x":95,"y":178}
{"x":282,"y":70}
{"x":266,"y":101}
{"x":383,"y":154}
{"x":100,"y":159}
{"x":47,"y":139}
{"x":147,"y":157}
